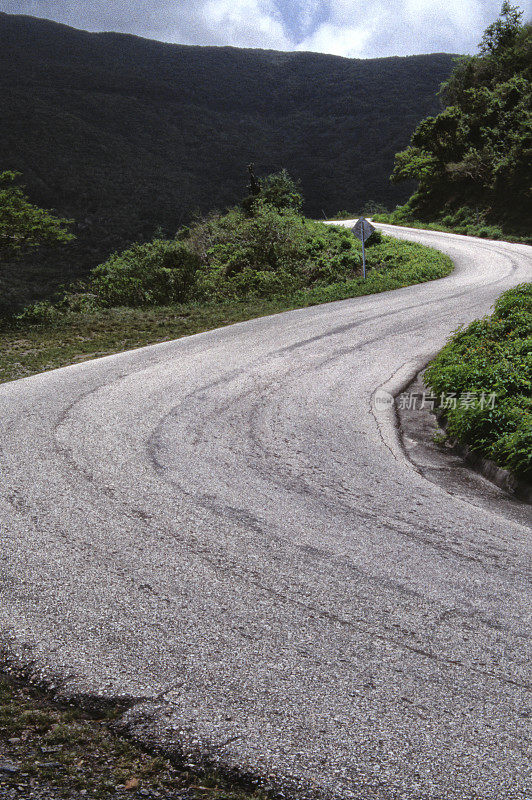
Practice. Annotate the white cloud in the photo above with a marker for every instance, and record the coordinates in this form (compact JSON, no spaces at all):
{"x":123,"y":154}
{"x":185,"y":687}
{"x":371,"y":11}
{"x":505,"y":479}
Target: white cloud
{"x":461,"y":14}
{"x":371,"y":28}
{"x":452,"y":20}
{"x":337,"y":40}
{"x":349,"y":29}
{"x":250,"y":23}
{"x":305,"y":16}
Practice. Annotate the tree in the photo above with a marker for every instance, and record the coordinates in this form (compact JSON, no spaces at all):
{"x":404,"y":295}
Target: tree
{"x":254,"y":184}
{"x":282,"y":191}
{"x":477,"y":152}
{"x":413,"y":164}
{"x":278,"y":190}
{"x":503,"y":33}
{"x":24,"y":225}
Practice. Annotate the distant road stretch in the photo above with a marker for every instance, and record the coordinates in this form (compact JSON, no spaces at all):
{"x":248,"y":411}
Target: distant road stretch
{"x":225,"y":528}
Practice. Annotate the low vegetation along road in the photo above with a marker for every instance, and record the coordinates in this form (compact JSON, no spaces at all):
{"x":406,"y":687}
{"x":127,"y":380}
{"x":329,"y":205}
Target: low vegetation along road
{"x":225,"y":529}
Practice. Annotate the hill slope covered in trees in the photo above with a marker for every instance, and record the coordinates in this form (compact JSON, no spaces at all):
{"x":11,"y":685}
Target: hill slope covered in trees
{"x":124,"y":134}
{"x":473,"y":161}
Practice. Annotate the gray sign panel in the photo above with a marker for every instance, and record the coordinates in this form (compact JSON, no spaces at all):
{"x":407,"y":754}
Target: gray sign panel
{"x":363,"y":229}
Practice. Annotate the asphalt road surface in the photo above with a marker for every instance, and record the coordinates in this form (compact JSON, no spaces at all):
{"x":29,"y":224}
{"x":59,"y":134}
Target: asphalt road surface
{"x":226,"y":528}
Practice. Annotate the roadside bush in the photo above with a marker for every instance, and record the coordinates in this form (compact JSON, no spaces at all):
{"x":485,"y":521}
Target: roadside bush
{"x":281,"y":191}
{"x":465,"y":221}
{"x":269,"y":254}
{"x":42,"y":313}
{"x":219,"y":269}
{"x":515,"y":449}
{"x":275,"y":254}
{"x":375,"y":238}
{"x":492,"y":357}
{"x":422,"y":267}
{"x":158,"y":272}
{"x":278,"y":190}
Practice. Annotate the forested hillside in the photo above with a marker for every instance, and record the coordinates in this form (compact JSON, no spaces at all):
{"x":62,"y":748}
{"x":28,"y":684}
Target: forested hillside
{"x":473,"y":161}
{"x":124,"y":135}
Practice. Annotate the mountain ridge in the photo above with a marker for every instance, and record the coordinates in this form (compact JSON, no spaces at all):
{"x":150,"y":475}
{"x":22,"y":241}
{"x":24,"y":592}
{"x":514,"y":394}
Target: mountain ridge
{"x":138,"y":37}
{"x":125,"y":134}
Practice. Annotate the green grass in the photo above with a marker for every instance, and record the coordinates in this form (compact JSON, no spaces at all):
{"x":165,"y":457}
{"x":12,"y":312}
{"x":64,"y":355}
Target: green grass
{"x":76,"y":336}
{"x":486,"y":370}
{"x":466,"y":227}
{"x":65,"y":338}
{"x":65,"y":749}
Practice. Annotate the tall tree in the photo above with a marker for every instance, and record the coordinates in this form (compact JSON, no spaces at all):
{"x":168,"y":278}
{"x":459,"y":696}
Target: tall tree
{"x":503,"y":33}
{"x":478,"y":151}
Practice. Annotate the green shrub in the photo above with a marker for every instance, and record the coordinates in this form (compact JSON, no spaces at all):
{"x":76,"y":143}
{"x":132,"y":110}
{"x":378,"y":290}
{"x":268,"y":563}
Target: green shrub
{"x":516,"y":304}
{"x":269,"y":253}
{"x":463,"y":221}
{"x":42,"y":313}
{"x":158,"y":272}
{"x":278,"y":190}
{"x":515,"y":449}
{"x":281,"y":191}
{"x":492,"y":357}
{"x":375,"y":238}
{"x":264,"y":253}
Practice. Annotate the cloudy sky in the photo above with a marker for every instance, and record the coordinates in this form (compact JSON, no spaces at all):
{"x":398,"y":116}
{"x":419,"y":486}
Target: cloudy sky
{"x":355,"y":28}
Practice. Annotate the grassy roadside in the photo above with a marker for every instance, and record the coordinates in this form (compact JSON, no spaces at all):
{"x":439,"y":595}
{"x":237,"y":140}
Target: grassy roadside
{"x":66,"y":338}
{"x":464,"y":226}
{"x":29,"y":349}
{"x":483,"y":380}
{"x":50,"y":750}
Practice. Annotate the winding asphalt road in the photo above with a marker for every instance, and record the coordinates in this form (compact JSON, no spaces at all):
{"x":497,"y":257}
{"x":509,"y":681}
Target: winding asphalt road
{"x":224,"y":528}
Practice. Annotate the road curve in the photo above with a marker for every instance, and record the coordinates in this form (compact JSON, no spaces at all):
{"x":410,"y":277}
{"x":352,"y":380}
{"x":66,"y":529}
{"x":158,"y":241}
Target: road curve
{"x":224,"y":528}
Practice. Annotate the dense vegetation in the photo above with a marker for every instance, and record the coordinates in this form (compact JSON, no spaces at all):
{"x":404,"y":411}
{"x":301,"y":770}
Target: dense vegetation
{"x":258,"y":258}
{"x":473,"y":161}
{"x":485,"y":375}
{"x":124,"y":135}
{"x":262,"y":249}
{"x":464,"y":222}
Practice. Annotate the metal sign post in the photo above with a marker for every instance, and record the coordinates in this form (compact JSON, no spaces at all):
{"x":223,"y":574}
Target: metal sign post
{"x":363,"y":230}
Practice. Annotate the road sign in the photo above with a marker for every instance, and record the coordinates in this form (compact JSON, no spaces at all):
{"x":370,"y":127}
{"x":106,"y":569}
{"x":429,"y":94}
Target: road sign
{"x":363,"y":229}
